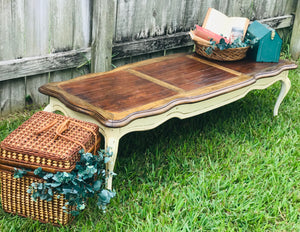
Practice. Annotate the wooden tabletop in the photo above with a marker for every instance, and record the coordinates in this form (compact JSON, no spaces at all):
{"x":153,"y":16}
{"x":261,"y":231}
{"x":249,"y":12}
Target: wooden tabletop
{"x":151,"y":87}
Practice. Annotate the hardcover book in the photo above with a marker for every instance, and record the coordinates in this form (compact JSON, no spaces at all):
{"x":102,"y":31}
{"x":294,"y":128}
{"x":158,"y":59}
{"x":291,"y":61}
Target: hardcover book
{"x":221,"y":24}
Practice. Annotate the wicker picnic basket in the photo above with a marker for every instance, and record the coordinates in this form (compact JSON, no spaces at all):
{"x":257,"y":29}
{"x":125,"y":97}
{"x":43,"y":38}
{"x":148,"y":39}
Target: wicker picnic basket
{"x":16,"y":200}
{"x":46,"y":140}
{"x":230,"y":54}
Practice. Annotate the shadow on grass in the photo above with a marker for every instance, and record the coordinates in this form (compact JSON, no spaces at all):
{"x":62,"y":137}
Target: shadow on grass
{"x":255,"y":109}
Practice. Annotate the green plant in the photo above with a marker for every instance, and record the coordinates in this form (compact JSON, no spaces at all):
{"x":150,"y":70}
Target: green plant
{"x":222,"y":45}
{"x":76,"y":186}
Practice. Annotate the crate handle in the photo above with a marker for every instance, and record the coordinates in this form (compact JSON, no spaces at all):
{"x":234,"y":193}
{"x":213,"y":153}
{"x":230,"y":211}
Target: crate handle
{"x":64,"y":126}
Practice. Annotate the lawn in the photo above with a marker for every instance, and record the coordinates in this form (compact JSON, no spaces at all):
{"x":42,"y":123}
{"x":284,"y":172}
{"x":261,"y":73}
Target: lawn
{"x":235,"y":168}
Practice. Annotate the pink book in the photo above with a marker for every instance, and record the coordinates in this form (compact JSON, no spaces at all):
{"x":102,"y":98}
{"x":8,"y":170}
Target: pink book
{"x":207,"y":34}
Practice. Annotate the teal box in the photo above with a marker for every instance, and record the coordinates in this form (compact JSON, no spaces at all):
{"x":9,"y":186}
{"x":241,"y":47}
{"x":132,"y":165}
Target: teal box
{"x":267,"y":44}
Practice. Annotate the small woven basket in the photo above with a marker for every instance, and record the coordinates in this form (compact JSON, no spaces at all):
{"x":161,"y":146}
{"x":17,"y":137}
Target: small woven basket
{"x":230,"y":54}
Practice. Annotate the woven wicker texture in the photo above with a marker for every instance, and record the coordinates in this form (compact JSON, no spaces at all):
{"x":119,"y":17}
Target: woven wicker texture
{"x":16,"y":200}
{"x":230,"y":54}
{"x":36,"y":142}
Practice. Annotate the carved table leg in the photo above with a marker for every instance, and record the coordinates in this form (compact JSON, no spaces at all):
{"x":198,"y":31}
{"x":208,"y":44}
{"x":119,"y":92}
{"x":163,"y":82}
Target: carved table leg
{"x":111,"y":135}
{"x":49,"y":107}
{"x":56,"y":105}
{"x":285,"y":87}
{"x":111,"y":143}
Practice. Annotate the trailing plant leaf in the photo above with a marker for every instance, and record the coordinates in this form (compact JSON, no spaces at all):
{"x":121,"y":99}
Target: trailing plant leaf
{"x":19,"y":173}
{"x":76,"y":186}
{"x":222,"y":45}
{"x":38,"y":171}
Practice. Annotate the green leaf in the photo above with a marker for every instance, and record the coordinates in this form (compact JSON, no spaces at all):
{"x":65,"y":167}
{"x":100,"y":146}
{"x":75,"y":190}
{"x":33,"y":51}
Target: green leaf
{"x":43,"y":197}
{"x":97,"y":185}
{"x":38,"y":171}
{"x":74,"y":213}
{"x":50,"y":192}
{"x":106,"y":160}
{"x":19,"y":173}
{"x":48,"y":176}
{"x":100,"y":154}
{"x":81,"y":207}
{"x":55,"y":185}
{"x":67,"y":190}
{"x":105,"y":196}
{"x":76,"y":186}
{"x":40,"y":186}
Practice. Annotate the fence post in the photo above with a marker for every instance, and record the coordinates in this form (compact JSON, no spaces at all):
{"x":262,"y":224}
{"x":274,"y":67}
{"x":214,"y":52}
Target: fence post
{"x":103,"y":25}
{"x":295,"y":40}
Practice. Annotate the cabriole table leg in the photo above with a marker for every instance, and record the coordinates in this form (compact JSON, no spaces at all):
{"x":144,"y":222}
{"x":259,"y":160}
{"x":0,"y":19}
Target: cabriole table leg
{"x":285,"y":87}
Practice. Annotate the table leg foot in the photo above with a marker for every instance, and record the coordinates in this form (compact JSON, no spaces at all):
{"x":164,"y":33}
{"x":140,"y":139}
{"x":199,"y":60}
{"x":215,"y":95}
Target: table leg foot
{"x":285,"y":87}
{"x":112,"y":144}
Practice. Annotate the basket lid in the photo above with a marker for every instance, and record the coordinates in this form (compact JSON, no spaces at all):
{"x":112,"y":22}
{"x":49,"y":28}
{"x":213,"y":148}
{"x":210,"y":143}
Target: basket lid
{"x":50,"y":141}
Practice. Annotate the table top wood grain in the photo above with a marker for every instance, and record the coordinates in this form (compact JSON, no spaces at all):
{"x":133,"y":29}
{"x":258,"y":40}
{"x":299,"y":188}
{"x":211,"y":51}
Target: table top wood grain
{"x":153,"y":86}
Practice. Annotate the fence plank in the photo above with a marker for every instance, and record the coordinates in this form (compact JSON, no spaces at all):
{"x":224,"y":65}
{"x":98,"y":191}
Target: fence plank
{"x":12,"y":93}
{"x":181,"y":39}
{"x":12,"y":96}
{"x":295,"y":40}
{"x":37,"y":44}
{"x":48,"y":63}
{"x":5,"y":97}
{"x":103,"y":29}
{"x":82,"y":24}
{"x":62,"y":32}
{"x":71,"y":59}
{"x":279,"y":22}
{"x":11,"y":29}
{"x":159,"y":43}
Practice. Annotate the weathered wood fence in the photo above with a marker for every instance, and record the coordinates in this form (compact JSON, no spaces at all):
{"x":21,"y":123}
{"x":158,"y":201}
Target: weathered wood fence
{"x":55,"y":40}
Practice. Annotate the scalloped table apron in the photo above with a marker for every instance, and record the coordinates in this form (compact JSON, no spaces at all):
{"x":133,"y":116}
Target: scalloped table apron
{"x":143,"y":95}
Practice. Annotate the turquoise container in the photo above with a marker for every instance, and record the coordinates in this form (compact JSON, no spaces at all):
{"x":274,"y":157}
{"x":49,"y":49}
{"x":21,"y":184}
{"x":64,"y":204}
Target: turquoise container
{"x":268,"y":43}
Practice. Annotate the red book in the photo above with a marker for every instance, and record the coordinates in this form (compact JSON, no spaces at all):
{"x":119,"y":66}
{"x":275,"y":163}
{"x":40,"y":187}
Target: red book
{"x":207,"y":34}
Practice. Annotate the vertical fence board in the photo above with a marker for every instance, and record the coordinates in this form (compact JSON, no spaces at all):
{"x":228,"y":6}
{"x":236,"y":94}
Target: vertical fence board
{"x":295,"y":40}
{"x":102,"y":34}
{"x":37,"y":43}
{"x":12,"y":47}
{"x":82,"y":32}
{"x":12,"y":96}
{"x":17,"y":95}
{"x":61,"y":32}
{"x":5,"y":97}
{"x":32,"y":84}
{"x":11,"y":29}
{"x":70,"y":20}
{"x":82,"y":24}
{"x":36,"y":27}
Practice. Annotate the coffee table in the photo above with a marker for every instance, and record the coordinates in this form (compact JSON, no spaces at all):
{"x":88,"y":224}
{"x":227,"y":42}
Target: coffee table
{"x":143,"y":95}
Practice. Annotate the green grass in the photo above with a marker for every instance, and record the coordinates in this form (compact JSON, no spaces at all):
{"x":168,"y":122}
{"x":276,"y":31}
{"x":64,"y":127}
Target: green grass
{"x":232,"y":169}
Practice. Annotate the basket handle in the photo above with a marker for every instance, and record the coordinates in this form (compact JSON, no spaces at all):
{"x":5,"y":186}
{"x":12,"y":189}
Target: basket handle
{"x":64,"y":126}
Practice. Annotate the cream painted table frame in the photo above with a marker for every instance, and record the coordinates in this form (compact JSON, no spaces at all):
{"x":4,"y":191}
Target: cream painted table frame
{"x":112,"y":136}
